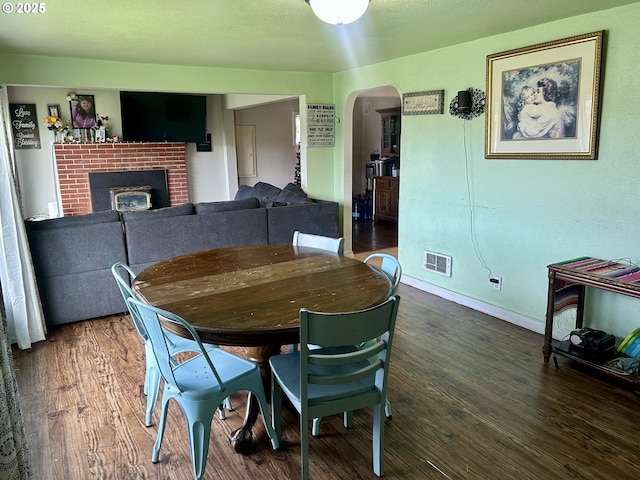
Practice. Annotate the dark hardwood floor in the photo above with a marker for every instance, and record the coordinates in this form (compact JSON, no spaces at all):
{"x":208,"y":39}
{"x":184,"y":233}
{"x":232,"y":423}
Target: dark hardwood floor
{"x":369,"y":236}
{"x":471,"y":397}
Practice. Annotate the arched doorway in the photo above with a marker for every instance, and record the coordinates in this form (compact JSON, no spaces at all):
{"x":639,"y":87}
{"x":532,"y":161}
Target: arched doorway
{"x":362,"y":140}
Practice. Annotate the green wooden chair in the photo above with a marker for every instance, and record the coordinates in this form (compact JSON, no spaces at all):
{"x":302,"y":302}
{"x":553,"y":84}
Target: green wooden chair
{"x":323,"y":382}
{"x":391,"y":267}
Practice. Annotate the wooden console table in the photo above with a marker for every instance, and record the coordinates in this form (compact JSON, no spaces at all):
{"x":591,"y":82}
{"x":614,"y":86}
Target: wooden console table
{"x":567,"y":284}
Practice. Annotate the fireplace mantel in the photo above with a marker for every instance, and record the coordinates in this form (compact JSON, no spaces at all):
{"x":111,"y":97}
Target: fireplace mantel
{"x":74,"y":161}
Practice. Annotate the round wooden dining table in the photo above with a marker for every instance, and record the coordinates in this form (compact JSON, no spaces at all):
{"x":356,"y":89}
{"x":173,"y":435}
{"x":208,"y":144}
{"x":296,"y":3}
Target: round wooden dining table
{"x":251,"y":297}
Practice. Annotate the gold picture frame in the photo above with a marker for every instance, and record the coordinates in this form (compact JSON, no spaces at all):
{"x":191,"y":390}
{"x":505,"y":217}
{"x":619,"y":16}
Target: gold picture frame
{"x":543,"y":101}
{"x":423,"y":103}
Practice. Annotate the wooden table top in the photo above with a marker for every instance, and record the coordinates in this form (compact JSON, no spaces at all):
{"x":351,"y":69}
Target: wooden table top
{"x":252,"y":295}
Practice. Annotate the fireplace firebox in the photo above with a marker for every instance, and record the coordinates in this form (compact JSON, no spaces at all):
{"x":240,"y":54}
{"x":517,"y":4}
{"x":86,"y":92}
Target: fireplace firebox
{"x":138,"y":189}
{"x":128,"y":199}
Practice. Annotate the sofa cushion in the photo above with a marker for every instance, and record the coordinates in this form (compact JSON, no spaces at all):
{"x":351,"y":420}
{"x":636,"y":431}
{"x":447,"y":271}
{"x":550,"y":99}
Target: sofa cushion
{"x":74,"y":221}
{"x":266,"y":193}
{"x":184,"y":209}
{"x":80,"y":296}
{"x":227,"y":206}
{"x":291,"y":195}
{"x":75,"y":249}
{"x":150,"y":242}
{"x":266,"y":190}
{"x":245,"y":191}
{"x":319,"y":218}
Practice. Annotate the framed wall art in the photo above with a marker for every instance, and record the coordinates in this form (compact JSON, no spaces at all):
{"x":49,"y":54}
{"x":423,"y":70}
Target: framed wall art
{"x":53,"y":110}
{"x":83,"y":111}
{"x":423,"y":103}
{"x":543,"y":101}
{"x":24,"y":125}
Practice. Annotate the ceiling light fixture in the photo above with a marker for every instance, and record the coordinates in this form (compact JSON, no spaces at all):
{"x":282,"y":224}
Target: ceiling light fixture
{"x":338,"y":12}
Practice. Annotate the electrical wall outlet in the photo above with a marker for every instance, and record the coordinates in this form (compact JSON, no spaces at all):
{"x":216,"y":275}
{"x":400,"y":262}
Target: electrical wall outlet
{"x":496,"y":282}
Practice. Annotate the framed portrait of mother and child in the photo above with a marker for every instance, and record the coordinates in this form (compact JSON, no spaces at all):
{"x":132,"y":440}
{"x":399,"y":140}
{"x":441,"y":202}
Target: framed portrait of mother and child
{"x":543,"y":101}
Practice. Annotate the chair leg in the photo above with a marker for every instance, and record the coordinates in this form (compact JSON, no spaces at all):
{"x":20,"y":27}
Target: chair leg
{"x":276,"y":408}
{"x":304,"y":445}
{"x":198,"y":416}
{"x":315,"y":428}
{"x":152,"y":388}
{"x":387,"y":408}
{"x":348,"y":419}
{"x":258,"y":392}
{"x":155,"y":453}
{"x":378,"y":440}
{"x":145,"y":388}
{"x":226,"y":404}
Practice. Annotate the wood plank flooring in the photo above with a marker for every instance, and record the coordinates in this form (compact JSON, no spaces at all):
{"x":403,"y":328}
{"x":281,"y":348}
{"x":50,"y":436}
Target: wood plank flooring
{"x":471,"y":398}
{"x":369,"y":236}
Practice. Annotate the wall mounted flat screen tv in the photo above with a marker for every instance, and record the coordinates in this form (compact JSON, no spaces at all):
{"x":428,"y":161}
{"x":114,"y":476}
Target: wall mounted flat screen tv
{"x":163,"y":117}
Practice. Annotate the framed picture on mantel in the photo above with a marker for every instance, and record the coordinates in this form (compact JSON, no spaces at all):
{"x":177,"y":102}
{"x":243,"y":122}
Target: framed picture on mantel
{"x":83,"y":111}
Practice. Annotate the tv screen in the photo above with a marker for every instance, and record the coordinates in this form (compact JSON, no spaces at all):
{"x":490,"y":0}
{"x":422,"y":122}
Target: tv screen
{"x":163,"y":117}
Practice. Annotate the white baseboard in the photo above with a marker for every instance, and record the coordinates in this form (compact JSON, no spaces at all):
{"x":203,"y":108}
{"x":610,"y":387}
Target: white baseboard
{"x":498,"y":312}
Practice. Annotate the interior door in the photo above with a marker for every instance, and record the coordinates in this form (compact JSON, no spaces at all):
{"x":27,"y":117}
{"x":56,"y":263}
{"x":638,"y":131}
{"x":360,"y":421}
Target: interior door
{"x":246,"y":151}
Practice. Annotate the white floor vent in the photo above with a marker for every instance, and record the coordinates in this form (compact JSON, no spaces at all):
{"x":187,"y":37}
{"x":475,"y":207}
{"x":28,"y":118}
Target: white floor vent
{"x":437,"y":263}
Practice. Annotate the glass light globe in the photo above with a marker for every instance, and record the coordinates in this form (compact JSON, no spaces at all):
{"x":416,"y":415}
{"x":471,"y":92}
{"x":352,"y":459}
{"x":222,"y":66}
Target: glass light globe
{"x":337,"y":12}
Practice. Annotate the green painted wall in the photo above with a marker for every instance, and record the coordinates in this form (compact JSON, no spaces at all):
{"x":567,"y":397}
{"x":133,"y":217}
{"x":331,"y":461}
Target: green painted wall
{"x":528,"y":213}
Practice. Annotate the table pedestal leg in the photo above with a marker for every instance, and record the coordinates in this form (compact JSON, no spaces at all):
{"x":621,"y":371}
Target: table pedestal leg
{"x":241,"y":439}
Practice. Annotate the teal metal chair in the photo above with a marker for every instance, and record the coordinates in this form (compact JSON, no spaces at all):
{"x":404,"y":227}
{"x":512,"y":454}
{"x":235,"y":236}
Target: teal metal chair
{"x":389,"y":265}
{"x":335,"y":245}
{"x":326,"y":382}
{"x":124,"y":276}
{"x":198,"y":384}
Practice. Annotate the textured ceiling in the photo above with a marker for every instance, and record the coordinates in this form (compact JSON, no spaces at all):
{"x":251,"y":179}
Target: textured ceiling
{"x":266,"y":34}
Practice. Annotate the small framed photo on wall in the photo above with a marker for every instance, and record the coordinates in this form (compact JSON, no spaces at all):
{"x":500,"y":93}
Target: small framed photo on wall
{"x":54,"y":110}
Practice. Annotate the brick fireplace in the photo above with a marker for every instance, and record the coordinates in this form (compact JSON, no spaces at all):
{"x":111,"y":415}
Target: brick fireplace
{"x":75,"y":161}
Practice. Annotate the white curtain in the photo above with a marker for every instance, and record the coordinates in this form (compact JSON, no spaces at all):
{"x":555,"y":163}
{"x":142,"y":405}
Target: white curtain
{"x":15,"y":461}
{"x":25,"y":320}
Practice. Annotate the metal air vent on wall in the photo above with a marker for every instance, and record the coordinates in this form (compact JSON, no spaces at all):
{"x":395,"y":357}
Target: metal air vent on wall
{"x":437,"y":263}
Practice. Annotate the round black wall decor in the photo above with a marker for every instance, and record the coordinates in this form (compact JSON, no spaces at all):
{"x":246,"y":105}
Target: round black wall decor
{"x":478,"y":102}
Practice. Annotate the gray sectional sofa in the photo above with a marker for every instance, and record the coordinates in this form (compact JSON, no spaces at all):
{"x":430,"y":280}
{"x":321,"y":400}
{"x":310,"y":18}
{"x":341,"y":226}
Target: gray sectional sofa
{"x":73,"y":256}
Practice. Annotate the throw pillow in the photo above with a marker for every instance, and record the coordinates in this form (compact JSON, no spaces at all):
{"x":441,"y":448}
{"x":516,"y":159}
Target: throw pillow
{"x":293,"y":195}
{"x":245,"y":191}
{"x":265,"y":192}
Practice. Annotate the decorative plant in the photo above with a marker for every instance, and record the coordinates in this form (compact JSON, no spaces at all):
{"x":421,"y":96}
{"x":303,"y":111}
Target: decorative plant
{"x":56,"y":124}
